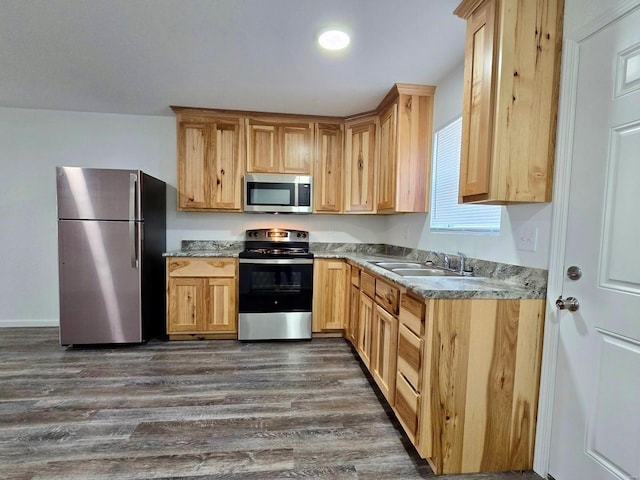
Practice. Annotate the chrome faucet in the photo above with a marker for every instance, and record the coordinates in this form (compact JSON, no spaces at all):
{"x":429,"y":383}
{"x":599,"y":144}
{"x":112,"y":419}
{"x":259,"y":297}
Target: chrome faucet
{"x":446,"y":261}
{"x":463,"y":259}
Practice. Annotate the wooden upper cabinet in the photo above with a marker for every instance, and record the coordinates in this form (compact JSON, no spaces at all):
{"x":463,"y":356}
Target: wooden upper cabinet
{"x":262,"y":148}
{"x":327,"y":168}
{"x":279,"y":145}
{"x":210,"y":159}
{"x":360,"y":165}
{"x":510,"y":99}
{"x":387,"y":159}
{"x":406,"y":128}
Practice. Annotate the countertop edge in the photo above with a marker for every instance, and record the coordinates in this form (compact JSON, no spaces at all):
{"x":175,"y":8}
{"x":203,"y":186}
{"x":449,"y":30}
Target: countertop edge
{"x":438,"y":287}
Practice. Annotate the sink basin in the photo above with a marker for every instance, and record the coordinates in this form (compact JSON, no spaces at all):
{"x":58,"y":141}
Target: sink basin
{"x":392,"y":265}
{"x":424,"y":272}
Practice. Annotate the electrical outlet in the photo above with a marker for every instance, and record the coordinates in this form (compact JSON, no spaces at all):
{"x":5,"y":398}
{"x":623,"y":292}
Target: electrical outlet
{"x":527,"y":239}
{"x":405,"y":232}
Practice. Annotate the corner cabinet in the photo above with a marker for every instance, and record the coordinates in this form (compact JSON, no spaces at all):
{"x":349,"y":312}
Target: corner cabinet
{"x":279,"y":145}
{"x":202,"y":297}
{"x":406,"y":124}
{"x":510,"y":99}
{"x":360,"y":164}
{"x":210,"y":159}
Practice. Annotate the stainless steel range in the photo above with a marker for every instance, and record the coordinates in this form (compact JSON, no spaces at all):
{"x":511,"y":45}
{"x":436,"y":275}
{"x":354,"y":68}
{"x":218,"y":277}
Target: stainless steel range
{"x":276,"y":285}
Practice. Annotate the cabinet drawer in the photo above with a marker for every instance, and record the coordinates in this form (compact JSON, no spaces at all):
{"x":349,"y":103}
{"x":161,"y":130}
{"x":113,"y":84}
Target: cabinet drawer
{"x":412,"y":314}
{"x":387,"y":296}
{"x":407,"y":407}
{"x":355,"y":276}
{"x":368,"y":284}
{"x":201,"y":267}
{"x":410,"y":356}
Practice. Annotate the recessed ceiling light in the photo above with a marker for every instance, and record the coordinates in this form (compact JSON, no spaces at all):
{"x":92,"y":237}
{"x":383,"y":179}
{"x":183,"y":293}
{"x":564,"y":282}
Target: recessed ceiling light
{"x":333,"y":40}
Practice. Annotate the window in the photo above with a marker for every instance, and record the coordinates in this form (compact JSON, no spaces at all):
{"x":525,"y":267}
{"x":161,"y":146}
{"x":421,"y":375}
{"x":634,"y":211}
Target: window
{"x":446,"y":213}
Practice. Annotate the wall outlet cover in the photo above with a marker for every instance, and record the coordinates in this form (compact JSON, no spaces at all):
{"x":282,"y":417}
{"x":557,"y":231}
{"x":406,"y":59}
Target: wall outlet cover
{"x":527,"y":239}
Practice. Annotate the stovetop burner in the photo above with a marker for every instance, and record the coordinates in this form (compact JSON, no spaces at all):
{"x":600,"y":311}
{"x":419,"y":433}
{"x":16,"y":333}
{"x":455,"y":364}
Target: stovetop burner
{"x":276,"y":243}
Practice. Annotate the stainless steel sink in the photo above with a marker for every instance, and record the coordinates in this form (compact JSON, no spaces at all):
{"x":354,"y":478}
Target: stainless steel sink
{"x":392,"y":265}
{"x":424,"y":272}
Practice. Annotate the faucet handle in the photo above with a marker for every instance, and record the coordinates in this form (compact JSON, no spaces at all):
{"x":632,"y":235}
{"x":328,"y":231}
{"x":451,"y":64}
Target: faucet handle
{"x":463,"y":259}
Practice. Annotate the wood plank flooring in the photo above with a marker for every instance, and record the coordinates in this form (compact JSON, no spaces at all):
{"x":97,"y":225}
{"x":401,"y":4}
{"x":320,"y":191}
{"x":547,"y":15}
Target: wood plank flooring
{"x":198,"y":409}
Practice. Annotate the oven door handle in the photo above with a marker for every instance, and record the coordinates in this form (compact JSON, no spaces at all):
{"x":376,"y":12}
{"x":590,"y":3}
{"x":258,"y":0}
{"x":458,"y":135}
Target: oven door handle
{"x":277,"y":261}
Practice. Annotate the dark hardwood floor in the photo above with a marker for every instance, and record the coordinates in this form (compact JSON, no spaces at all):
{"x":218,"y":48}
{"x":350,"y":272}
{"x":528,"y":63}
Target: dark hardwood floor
{"x":204,"y":409}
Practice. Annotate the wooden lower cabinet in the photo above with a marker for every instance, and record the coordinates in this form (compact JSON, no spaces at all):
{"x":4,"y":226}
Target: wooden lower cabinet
{"x":201,"y":297}
{"x":481,"y":376}
{"x":384,"y":352}
{"x":331,"y":281}
{"x":365,"y":324}
{"x":354,"y":314}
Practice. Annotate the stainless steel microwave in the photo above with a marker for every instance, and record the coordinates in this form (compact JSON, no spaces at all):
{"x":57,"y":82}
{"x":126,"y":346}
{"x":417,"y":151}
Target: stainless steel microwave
{"x":277,"y":193}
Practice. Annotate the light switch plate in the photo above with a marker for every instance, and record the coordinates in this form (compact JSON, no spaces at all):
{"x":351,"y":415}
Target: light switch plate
{"x":527,"y":239}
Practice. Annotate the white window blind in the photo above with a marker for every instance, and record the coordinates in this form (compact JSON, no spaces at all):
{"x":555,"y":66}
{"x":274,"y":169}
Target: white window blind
{"x":446,"y":213}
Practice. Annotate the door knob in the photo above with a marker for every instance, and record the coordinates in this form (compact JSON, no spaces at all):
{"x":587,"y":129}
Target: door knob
{"x":569,"y":303}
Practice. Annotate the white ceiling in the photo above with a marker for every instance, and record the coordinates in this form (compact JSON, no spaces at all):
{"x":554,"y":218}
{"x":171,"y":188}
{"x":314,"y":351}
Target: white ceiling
{"x":140,"y":56}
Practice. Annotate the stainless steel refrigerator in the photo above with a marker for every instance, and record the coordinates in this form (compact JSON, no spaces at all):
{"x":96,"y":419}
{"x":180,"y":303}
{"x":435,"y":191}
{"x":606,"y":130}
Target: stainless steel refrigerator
{"x":111,"y":236}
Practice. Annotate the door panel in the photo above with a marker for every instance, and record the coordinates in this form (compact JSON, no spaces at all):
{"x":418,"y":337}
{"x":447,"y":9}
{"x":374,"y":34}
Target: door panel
{"x":596,"y":420}
{"x":99,"y":287}
{"x":96,"y":193}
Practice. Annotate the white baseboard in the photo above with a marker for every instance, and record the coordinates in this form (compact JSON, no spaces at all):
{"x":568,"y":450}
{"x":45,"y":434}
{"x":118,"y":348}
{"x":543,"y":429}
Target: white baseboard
{"x":30,"y":322}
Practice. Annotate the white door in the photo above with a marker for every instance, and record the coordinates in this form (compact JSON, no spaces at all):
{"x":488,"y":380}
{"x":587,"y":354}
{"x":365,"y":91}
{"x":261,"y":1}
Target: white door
{"x":596,"y":416}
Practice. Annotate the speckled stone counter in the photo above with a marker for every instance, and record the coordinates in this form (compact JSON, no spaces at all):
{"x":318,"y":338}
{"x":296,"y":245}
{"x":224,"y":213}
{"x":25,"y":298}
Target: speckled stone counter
{"x":490,"y":279}
{"x":207,"y":248}
{"x":446,"y":287}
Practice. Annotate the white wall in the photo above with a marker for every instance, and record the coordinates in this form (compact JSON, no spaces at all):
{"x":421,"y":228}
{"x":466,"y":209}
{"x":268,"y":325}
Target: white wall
{"x":412,"y":230}
{"x":34,"y":142}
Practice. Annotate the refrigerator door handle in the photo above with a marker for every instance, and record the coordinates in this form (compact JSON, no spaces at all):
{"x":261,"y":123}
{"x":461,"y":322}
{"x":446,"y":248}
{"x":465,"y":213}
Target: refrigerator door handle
{"x":133,"y":178}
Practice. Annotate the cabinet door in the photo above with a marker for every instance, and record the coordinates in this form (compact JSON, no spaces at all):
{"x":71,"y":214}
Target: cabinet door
{"x":262,"y":147}
{"x":193,"y":167}
{"x":221,"y":313}
{"x":387,"y":159}
{"x":477,"y":107}
{"x":365,"y":320}
{"x":384,"y":351}
{"x":330,"y":294}
{"x":225,"y":172}
{"x":296,"y":142}
{"x":354,"y":316}
{"x":327,"y":171}
{"x":209,"y":164}
{"x":186,"y":305}
{"x":360,"y":151}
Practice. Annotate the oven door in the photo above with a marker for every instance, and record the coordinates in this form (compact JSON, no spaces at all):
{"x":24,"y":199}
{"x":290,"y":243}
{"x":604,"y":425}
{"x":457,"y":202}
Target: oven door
{"x":275,"y":285}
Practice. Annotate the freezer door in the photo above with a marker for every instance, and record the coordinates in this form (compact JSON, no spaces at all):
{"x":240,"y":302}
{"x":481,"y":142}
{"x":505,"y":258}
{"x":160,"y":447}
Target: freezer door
{"x":98,"y":194}
{"x":99,"y":282}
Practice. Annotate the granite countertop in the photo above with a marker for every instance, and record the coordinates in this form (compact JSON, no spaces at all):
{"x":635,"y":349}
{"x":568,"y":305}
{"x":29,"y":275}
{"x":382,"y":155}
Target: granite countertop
{"x":444,"y":287}
{"x":503,"y":281}
{"x":203,"y":253}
